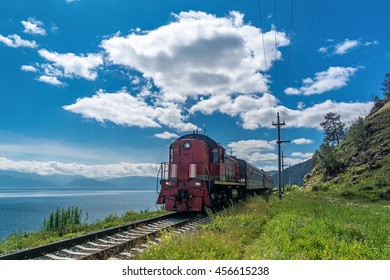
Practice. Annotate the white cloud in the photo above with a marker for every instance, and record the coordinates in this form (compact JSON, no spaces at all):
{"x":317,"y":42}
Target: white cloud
{"x":323,"y":50}
{"x":376,"y":42}
{"x":84,"y":66}
{"x":50,"y":80}
{"x":121,"y":169}
{"x":253,"y":151}
{"x":235,"y":106}
{"x":257,"y":112}
{"x":311,"y":117}
{"x":15,"y":41}
{"x":302,"y":141}
{"x":28,"y":68}
{"x":331,"y":79}
{"x":301,"y":105}
{"x":33,"y":26}
{"x":124,"y":109}
{"x":302,"y":155}
{"x":166,"y":135}
{"x":345,"y":46}
{"x":199,"y":54}
{"x":71,"y":1}
{"x":120,"y":108}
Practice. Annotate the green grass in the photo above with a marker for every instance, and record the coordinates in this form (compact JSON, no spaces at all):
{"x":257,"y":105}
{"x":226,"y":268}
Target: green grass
{"x":21,"y":240}
{"x":303,"y":225}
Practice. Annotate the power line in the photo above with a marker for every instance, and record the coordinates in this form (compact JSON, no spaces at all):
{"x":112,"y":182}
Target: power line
{"x":289,"y":55}
{"x":264,"y":53}
{"x":292,"y":21}
{"x":276,"y":50}
{"x":262,"y":34}
{"x":308,"y":42}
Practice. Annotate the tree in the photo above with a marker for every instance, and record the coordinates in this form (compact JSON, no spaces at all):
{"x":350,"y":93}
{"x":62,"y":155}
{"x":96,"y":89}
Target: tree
{"x":333,"y":128}
{"x":358,"y":133}
{"x":326,"y":159}
{"x":386,"y":85}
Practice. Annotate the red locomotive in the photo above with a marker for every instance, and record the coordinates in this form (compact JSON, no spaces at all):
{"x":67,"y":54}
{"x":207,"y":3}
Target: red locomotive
{"x":200,"y":174}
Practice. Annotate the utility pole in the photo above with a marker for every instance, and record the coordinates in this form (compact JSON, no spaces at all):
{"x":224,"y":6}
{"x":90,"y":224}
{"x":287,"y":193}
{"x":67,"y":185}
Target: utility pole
{"x":279,"y":125}
{"x":283,"y":165}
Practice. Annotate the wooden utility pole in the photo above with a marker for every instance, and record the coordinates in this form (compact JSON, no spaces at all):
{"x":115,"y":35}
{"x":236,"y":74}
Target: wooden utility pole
{"x":283,"y":165}
{"x":279,"y":125}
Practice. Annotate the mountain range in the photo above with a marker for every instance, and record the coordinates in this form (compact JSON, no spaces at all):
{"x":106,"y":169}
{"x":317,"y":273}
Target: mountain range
{"x":21,"y":180}
{"x":293,"y":175}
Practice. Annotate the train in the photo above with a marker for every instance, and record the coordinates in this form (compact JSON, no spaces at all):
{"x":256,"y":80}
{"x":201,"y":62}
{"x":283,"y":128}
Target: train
{"x":201,"y":174}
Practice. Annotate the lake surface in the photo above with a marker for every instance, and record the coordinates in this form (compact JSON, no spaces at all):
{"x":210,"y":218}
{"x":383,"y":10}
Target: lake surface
{"x":25,"y":210}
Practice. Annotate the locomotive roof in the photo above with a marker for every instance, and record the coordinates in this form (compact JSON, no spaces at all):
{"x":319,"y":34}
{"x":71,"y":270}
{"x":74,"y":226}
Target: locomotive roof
{"x":202,"y":137}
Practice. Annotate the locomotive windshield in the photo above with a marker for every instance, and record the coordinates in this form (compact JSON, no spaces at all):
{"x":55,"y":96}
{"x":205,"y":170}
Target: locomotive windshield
{"x":214,"y":153}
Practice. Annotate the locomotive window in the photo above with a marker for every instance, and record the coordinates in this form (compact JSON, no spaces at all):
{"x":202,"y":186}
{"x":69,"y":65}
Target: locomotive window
{"x":214,"y":153}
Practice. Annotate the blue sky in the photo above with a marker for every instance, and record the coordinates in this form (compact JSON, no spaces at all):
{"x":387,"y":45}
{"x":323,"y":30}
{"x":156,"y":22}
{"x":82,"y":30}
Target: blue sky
{"x":101,"y":88}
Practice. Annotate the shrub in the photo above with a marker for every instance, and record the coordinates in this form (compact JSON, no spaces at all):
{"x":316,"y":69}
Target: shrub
{"x":62,"y":220}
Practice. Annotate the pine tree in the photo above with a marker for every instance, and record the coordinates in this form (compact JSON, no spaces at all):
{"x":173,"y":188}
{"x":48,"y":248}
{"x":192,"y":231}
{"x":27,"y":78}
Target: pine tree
{"x":333,"y":128}
{"x":386,"y":85}
{"x":326,"y":160}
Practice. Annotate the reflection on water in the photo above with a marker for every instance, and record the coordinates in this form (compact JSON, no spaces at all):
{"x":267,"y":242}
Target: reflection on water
{"x":63,"y":194}
{"x":26,"y":210}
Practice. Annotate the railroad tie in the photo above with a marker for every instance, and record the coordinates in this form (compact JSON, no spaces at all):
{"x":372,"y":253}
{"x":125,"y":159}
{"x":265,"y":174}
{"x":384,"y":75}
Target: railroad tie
{"x":108,"y":242}
{"x":98,"y":245}
{"x":87,"y":248}
{"x":74,"y":252}
{"x":55,"y":257}
{"x":127,"y":254}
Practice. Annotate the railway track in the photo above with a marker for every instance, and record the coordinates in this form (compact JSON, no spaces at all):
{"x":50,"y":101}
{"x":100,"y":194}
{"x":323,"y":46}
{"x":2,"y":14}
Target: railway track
{"x":115,"y":243}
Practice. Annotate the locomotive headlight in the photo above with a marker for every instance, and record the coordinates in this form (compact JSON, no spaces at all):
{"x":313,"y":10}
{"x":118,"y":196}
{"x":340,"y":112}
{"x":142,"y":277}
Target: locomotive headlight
{"x":198,"y":184}
{"x":186,"y":145}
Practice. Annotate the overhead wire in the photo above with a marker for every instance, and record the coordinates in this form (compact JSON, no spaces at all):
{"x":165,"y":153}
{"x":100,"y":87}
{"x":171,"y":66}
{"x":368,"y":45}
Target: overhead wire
{"x":308,"y":42}
{"x":264,"y":53}
{"x":276,"y":49}
{"x":289,"y":55}
{"x":290,"y":38}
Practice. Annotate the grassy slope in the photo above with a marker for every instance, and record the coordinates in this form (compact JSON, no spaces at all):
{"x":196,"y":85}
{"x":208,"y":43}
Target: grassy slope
{"x":367,"y":168}
{"x":304,"y":225}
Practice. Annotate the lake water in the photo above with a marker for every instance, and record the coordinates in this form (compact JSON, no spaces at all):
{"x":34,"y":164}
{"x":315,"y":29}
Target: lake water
{"x":26,"y":210}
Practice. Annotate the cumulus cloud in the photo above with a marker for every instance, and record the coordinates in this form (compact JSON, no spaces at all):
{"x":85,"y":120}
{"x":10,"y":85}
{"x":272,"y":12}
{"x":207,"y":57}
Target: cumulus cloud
{"x":28,"y":68}
{"x":258,"y":112}
{"x":199,"y":54}
{"x":50,"y":80}
{"x":254,"y":151}
{"x":123,"y":108}
{"x":311,"y":117}
{"x":166,"y":135}
{"x":83,"y":66}
{"x":302,"y":141}
{"x":33,"y":26}
{"x":114,"y":170}
{"x":15,"y":41}
{"x":331,"y":79}
{"x":302,"y":155}
{"x":235,"y":106}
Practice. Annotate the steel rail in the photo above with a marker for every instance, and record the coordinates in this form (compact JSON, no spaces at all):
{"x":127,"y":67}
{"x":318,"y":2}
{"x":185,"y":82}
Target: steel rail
{"x":37,"y":252}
